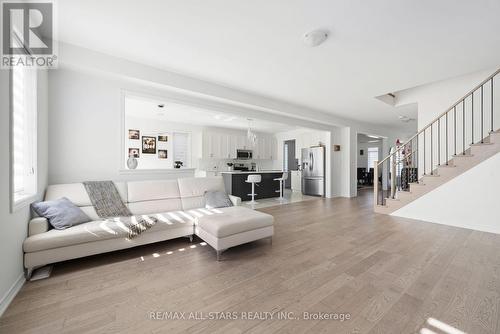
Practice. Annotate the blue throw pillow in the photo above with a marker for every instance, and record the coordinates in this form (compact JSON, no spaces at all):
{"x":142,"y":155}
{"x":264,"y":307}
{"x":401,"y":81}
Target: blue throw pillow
{"x":61,"y":213}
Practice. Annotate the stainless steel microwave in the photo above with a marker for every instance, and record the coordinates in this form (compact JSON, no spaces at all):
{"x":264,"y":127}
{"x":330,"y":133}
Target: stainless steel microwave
{"x":244,"y":154}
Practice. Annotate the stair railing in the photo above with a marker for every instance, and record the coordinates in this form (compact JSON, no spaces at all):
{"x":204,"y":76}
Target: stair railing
{"x":468,"y":121}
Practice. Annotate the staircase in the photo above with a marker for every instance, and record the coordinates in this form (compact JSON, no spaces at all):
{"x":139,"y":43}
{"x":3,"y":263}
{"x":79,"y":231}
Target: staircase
{"x":462,"y":137}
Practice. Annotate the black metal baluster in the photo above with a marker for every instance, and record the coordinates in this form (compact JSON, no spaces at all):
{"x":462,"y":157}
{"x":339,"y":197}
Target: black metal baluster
{"x":432,"y":155}
{"x":463,"y":127}
{"x":439,"y":141}
{"x":416,"y":158}
{"x":447,"y":138}
{"x":482,"y":117}
{"x":472,"y":120}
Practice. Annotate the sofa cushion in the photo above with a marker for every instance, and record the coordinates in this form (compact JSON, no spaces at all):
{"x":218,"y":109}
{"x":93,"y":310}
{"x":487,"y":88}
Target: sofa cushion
{"x":148,"y":197}
{"x":103,"y":230}
{"x":77,"y":194}
{"x":217,"y":199}
{"x":233,"y":220}
{"x":192,"y":190}
{"x":61,"y":213}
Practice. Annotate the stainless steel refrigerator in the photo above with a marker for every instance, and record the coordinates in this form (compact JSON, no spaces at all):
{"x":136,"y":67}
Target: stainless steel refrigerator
{"x":313,"y":171}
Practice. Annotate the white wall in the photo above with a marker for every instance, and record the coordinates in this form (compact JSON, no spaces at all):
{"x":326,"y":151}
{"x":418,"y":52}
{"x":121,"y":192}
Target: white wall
{"x":363,"y":159}
{"x":13,"y":227}
{"x":86,"y":131}
{"x":303,"y":138}
{"x":97,"y":97}
{"x":88,"y":106}
{"x":333,"y":160}
{"x":435,"y":98}
{"x":469,"y":200}
{"x":152,"y":127}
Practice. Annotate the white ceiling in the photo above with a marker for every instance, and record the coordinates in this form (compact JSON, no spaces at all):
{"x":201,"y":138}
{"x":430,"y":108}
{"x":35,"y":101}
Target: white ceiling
{"x":363,"y":139}
{"x":143,"y":107}
{"x":375,"y":47}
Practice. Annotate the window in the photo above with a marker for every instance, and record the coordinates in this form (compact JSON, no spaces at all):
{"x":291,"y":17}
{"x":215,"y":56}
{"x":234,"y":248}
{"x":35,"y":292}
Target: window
{"x":372,"y":156}
{"x":23,"y":135}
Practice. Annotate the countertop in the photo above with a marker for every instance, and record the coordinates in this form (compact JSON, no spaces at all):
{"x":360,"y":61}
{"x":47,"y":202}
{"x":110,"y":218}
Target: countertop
{"x":251,"y":172}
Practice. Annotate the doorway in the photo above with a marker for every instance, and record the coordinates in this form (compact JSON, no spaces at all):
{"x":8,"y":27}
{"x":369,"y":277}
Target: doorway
{"x":290,"y":162}
{"x":369,"y":151}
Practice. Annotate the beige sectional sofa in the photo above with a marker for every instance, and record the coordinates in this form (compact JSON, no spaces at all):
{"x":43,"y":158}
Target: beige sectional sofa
{"x":181,"y":204}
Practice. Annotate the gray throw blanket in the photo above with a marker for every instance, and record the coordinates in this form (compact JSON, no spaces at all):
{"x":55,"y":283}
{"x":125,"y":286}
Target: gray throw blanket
{"x":108,"y":204}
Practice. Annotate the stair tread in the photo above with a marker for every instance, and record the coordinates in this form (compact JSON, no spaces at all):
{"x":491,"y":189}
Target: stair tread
{"x":481,"y":144}
{"x":463,"y":155}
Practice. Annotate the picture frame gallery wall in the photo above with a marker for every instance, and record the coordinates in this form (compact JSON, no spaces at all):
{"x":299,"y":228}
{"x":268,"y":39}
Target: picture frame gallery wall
{"x":151,"y":146}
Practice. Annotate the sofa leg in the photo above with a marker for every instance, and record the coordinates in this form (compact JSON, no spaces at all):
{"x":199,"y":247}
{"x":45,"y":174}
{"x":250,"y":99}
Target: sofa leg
{"x":28,"y":272}
{"x":191,"y":238}
{"x":271,"y":241}
{"x":219,"y":253}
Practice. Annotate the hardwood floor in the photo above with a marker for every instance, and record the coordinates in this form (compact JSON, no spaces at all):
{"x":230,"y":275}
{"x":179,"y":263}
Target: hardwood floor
{"x":333,"y":256}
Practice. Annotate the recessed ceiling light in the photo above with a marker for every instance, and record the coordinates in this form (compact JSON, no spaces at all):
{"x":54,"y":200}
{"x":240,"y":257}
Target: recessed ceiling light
{"x":315,"y":37}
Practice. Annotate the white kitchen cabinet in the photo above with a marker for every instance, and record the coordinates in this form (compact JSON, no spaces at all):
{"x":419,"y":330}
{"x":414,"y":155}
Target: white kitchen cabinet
{"x":224,"y":146}
{"x":265,"y":148}
{"x":232,"y":146}
{"x":241,"y":143}
{"x":212,"y":146}
{"x":273,"y":143}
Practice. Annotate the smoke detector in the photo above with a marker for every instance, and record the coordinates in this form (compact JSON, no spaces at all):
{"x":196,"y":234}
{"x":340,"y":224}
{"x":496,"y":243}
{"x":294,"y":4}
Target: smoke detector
{"x":315,"y":37}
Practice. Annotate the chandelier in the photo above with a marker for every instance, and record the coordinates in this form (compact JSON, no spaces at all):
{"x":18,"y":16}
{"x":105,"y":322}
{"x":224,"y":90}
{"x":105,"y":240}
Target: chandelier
{"x":251,"y":136}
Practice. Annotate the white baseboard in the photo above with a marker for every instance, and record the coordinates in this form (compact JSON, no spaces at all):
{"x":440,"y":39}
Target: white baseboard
{"x":11,"y":293}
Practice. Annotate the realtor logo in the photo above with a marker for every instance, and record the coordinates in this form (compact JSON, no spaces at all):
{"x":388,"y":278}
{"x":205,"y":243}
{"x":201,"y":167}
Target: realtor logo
{"x":28,"y":34}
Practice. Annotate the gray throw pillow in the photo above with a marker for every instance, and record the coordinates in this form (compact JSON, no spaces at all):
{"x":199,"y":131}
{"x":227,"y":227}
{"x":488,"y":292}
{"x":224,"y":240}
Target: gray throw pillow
{"x":217,"y":199}
{"x":61,"y":213}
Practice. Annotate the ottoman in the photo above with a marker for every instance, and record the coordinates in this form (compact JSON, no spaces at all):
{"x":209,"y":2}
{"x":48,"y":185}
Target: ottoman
{"x":233,"y":226}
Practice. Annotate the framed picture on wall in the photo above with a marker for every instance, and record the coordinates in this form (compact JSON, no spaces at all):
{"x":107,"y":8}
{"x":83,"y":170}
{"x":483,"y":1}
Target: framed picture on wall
{"x":134,"y":134}
{"x":163,"y":138}
{"x":148,"y":145}
{"x":133,"y":153}
{"x":162,"y":154}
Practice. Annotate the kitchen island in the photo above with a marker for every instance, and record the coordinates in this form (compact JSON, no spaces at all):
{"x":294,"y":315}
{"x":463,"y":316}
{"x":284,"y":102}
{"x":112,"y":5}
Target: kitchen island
{"x":236,"y":185}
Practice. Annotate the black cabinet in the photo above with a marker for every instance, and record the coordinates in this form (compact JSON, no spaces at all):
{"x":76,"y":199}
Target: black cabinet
{"x":236,"y":185}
